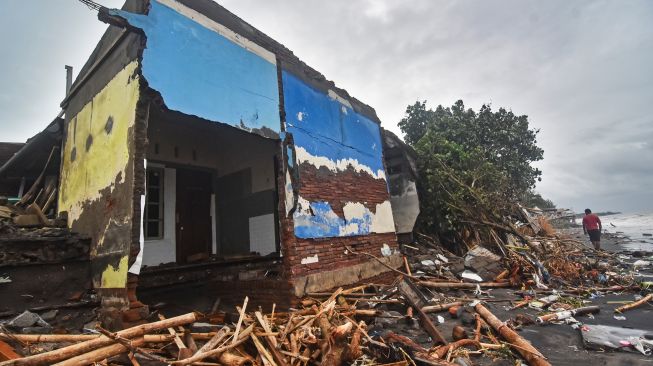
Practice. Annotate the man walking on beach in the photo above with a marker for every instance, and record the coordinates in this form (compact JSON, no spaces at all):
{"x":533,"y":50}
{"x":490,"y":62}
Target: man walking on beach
{"x":592,"y":226}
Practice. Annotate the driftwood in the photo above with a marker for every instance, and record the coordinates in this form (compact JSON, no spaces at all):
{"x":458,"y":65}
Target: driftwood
{"x":411,"y":294}
{"x":231,"y":359}
{"x":634,"y":304}
{"x":30,"y":195}
{"x":463,"y":285}
{"x":7,"y":352}
{"x":560,"y":315}
{"x":65,"y":353}
{"x":441,"y":307}
{"x":240,"y":320}
{"x":184,"y":352}
{"x":99,"y":354}
{"x":519,"y":344}
{"x":444,"y":350}
{"x":71,"y":338}
{"x":131,"y":347}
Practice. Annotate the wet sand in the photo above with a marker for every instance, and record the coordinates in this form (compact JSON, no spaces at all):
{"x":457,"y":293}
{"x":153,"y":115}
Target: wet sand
{"x":609,"y":242}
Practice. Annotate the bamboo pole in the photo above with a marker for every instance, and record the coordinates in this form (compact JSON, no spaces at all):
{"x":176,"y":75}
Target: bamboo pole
{"x":54,"y":356}
{"x":463,"y":285}
{"x":442,"y":351}
{"x":441,"y":307}
{"x":634,"y":304}
{"x":209,"y":346}
{"x":73,"y":338}
{"x":244,"y":336}
{"x":99,"y":354}
{"x":240,"y":320}
{"x":519,"y":344}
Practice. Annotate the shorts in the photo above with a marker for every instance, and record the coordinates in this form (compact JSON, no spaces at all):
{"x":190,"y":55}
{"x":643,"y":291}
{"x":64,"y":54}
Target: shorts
{"x":595,"y":235}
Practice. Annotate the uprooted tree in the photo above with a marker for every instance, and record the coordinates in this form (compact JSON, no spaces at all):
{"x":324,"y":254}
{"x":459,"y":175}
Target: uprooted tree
{"x":474,"y":167}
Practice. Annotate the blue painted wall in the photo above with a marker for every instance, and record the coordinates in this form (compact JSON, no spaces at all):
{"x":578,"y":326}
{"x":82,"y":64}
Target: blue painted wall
{"x":325,"y":127}
{"x":202,"y":73}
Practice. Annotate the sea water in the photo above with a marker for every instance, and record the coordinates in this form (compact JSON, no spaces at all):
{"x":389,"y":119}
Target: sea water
{"x":632,"y":226}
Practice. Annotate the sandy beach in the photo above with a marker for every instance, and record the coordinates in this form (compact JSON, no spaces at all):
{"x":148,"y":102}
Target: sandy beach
{"x":611,"y":242}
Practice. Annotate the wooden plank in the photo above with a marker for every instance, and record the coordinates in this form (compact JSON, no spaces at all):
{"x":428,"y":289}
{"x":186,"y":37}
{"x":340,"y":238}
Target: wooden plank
{"x":415,"y":299}
{"x":7,"y":352}
{"x":271,"y":340}
{"x":184,"y":352}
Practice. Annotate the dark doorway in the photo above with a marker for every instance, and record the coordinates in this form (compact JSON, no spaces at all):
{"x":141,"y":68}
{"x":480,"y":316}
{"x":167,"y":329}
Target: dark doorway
{"x":193,"y":216}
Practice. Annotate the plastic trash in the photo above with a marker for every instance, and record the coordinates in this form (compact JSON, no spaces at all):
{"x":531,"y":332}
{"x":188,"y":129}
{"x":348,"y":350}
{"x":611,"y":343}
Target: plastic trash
{"x":627,"y":339}
{"x":471,"y":276}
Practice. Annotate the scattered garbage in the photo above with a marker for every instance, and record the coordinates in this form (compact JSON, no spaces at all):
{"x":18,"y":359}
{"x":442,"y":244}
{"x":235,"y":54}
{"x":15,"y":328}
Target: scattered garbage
{"x":467,"y":274}
{"x":627,"y":339}
{"x":536,"y":280}
{"x":562,"y":315}
{"x":483,"y":262}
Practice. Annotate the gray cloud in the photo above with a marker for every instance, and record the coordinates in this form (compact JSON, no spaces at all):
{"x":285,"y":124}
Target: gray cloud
{"x":580,"y":70}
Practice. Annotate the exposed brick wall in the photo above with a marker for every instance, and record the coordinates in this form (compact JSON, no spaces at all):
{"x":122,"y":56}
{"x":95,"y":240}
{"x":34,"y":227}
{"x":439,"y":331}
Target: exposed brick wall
{"x":263,"y":293}
{"x":337,"y":189}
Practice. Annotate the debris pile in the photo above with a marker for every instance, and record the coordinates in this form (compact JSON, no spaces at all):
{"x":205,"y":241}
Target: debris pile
{"x":370,"y":324}
{"x":442,"y":309}
{"x":332,"y":331}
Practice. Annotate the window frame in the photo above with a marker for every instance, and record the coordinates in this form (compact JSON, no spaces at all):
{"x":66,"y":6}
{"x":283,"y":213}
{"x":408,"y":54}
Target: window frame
{"x":148,"y":203}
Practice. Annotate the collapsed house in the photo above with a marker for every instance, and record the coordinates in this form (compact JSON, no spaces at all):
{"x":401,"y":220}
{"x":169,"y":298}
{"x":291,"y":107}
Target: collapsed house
{"x":196,"y":148}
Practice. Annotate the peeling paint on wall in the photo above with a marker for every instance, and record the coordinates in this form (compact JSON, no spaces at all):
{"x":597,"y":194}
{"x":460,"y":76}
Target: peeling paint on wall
{"x":86,"y":172}
{"x":309,"y":260}
{"x":340,"y":165}
{"x":330,"y":133}
{"x":318,"y":220}
{"x":114,"y":277}
{"x":289,"y":193}
{"x":97,"y":177}
{"x":202,"y":68}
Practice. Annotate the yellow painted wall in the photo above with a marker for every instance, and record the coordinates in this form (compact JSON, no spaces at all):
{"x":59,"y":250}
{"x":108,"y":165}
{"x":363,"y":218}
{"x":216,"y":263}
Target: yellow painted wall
{"x":95,"y":172}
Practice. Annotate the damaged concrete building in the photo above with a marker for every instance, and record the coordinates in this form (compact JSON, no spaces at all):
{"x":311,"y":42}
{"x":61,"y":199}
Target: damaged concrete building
{"x":196,"y":148}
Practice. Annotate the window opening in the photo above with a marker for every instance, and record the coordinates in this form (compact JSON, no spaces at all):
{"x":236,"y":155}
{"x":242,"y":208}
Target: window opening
{"x":154,"y":204}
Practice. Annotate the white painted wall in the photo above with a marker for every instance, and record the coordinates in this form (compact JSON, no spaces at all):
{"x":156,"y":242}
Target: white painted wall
{"x":222,"y":148}
{"x":262,"y":234}
{"x":405,"y":208}
{"x":164,"y":250}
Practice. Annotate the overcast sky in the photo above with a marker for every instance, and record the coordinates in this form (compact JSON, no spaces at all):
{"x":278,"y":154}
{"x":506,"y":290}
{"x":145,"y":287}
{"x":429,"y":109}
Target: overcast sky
{"x":581,"y":70}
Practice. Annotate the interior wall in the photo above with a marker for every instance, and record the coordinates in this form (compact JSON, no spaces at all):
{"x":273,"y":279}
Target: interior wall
{"x":221,"y":148}
{"x":244,"y":182}
{"x":164,"y":250}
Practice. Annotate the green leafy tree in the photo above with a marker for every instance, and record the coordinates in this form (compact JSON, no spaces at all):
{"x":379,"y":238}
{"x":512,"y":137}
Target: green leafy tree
{"x":474,"y":166}
{"x":534,"y":199}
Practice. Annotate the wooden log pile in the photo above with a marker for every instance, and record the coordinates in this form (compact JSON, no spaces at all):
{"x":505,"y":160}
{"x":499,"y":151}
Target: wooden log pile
{"x":331,"y":328}
{"x":328,"y":330}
